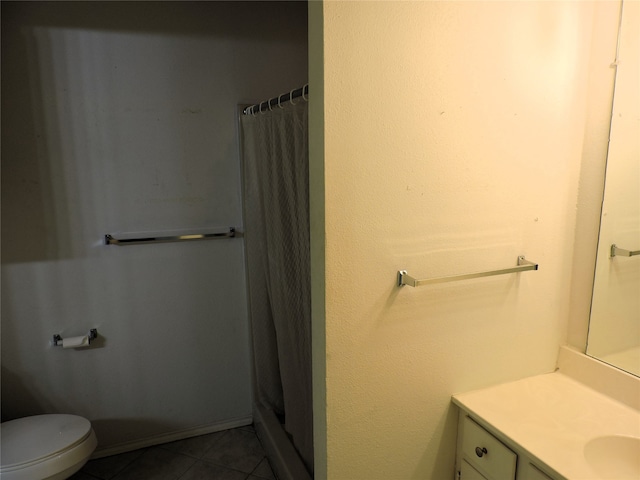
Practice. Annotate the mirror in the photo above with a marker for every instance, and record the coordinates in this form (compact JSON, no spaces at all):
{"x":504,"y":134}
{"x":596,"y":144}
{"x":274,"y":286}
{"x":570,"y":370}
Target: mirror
{"x":614,"y":328}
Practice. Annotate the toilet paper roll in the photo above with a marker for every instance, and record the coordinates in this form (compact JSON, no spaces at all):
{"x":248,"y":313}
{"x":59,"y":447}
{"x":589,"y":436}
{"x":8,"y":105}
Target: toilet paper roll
{"x":75,"y":342}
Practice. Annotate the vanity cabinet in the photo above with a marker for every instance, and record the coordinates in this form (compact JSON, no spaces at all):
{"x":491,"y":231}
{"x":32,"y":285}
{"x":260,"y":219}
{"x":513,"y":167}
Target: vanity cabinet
{"x":481,"y":455}
{"x":561,"y":425}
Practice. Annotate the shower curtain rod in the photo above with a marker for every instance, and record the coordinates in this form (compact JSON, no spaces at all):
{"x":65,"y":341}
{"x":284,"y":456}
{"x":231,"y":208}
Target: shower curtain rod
{"x":280,"y":99}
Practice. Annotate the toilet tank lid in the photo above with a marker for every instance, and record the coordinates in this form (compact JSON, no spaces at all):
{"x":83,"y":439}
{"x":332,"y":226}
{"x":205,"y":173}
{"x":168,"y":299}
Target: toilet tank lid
{"x":32,"y":438}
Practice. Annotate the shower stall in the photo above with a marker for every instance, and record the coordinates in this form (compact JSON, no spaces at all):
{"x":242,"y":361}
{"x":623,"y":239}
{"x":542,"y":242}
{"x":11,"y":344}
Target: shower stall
{"x":274,"y":143}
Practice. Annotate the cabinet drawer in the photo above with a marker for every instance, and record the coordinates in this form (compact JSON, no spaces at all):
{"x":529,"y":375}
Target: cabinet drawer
{"x":486,"y":453}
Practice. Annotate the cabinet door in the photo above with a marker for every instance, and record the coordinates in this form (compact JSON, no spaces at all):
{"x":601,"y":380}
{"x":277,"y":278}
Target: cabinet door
{"x":467,"y":472}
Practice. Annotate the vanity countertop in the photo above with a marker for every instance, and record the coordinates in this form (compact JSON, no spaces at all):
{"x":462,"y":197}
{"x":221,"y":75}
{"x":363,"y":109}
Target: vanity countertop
{"x":553,"y":418}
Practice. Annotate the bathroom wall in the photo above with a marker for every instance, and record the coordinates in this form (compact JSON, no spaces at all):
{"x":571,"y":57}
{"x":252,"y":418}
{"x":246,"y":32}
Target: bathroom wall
{"x":121,"y":117}
{"x":452,"y":136}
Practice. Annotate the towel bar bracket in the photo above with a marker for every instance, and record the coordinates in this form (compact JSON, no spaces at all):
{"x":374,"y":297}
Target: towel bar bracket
{"x":623,"y":252}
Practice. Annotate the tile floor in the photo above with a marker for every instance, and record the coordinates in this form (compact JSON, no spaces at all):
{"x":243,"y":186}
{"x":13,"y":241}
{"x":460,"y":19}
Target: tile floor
{"x":234,"y":454}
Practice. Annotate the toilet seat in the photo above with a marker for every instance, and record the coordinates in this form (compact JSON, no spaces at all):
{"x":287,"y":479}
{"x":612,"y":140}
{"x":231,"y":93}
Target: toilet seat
{"x":45,"y":446}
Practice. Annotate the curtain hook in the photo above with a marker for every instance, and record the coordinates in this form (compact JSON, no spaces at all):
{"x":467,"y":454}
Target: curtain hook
{"x":291,"y":97}
{"x":306,"y":99}
{"x":269,"y":105}
{"x":280,"y":106}
{"x":260,"y":109}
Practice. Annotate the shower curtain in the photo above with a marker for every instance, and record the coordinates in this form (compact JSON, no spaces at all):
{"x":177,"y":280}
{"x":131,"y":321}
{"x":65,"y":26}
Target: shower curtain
{"x":276,"y":203}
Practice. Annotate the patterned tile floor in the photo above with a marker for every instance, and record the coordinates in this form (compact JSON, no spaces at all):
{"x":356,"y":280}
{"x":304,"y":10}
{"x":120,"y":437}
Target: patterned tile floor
{"x":234,"y":454}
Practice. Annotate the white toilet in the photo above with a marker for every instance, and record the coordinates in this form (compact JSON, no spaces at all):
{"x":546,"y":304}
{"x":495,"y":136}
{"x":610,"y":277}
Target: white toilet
{"x":45,"y":447}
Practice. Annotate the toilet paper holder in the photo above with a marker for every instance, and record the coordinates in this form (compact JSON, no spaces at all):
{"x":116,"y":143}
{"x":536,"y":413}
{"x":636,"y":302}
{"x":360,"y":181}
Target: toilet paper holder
{"x":58,"y":340}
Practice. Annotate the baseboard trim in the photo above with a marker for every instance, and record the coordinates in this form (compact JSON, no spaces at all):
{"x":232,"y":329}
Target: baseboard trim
{"x":170,"y":437}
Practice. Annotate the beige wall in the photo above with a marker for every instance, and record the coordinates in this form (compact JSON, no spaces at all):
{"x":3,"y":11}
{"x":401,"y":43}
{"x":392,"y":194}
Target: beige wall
{"x":452,"y":136}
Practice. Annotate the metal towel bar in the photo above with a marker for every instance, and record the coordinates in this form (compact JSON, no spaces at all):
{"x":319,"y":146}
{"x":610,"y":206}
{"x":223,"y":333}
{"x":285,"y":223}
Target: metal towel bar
{"x":523,"y":265}
{"x":621,"y":252}
{"x":110,"y":240}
